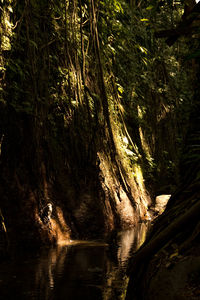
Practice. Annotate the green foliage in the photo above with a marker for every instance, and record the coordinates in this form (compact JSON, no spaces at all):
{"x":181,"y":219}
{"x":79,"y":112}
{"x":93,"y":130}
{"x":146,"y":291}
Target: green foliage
{"x":53,"y":73}
{"x":195,"y":54}
{"x":152,"y":84}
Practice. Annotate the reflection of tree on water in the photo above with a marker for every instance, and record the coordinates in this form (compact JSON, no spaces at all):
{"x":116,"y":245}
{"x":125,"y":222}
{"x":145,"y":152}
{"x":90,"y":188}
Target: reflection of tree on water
{"x":89,"y":270}
{"x":47,"y":269}
{"x":81,"y":270}
{"x":128,"y":241}
{"x":131,"y":240}
{"x":124,"y":242}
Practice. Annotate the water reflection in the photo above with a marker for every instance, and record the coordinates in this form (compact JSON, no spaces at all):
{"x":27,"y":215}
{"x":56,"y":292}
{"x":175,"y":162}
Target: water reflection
{"x":130,"y":240}
{"x":76,"y":271}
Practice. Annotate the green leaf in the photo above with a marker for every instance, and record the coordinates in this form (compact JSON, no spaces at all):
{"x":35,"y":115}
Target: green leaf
{"x":142,"y":49}
{"x":10,"y":9}
{"x":34,"y":44}
{"x":150,"y":7}
{"x":174,"y":254}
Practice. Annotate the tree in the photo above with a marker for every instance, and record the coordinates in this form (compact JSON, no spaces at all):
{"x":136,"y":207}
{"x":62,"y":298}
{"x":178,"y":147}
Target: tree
{"x":176,"y":233}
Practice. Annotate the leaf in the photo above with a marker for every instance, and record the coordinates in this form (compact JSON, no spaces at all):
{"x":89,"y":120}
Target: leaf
{"x":145,"y":61}
{"x":168,"y":264}
{"x":142,"y":49}
{"x":149,"y":7}
{"x":10,"y":9}
{"x":34,"y":44}
{"x":120,"y":89}
{"x":174,"y":254}
{"x":112,"y":49}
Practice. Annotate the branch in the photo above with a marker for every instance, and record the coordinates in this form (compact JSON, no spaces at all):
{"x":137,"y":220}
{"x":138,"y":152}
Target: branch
{"x":183,"y":28}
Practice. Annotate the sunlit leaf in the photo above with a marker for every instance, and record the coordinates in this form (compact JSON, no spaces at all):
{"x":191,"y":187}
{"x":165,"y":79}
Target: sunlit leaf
{"x":173,"y":254}
{"x":150,"y":7}
{"x":120,"y":89}
{"x":145,"y":61}
{"x":10,"y":9}
{"x":142,"y":49}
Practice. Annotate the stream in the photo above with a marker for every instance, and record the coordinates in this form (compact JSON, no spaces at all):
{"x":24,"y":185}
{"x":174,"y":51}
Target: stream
{"x":79,"y":270}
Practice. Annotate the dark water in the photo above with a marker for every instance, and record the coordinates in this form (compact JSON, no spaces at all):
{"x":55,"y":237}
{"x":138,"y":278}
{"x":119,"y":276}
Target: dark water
{"x":80,"y":270}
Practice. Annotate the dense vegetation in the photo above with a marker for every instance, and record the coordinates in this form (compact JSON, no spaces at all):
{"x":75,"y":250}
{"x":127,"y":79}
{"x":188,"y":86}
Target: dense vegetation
{"x":98,"y":115}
